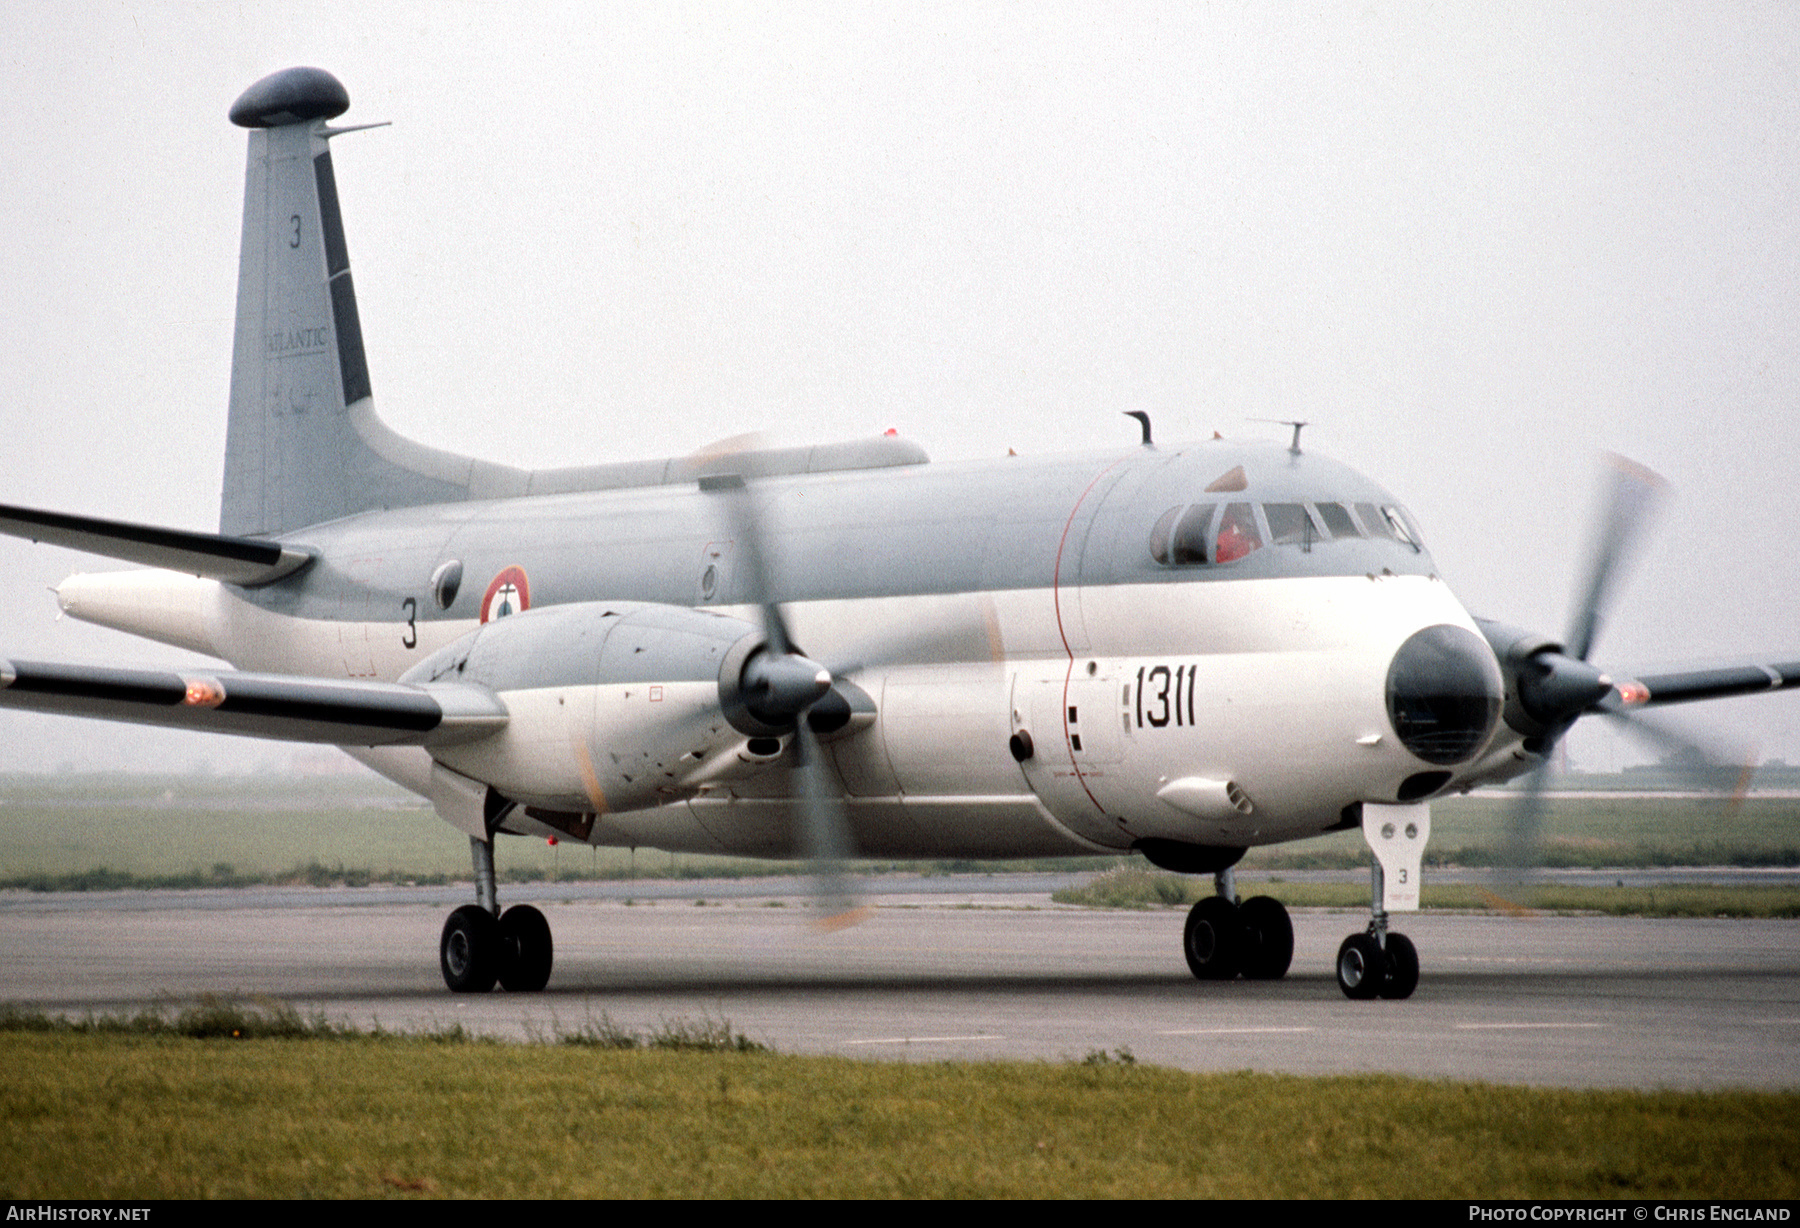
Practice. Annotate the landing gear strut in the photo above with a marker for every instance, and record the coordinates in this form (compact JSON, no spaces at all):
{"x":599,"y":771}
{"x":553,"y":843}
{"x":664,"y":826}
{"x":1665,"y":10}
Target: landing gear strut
{"x":1224,"y":939}
{"x":480,"y":945}
{"x":1378,"y":963}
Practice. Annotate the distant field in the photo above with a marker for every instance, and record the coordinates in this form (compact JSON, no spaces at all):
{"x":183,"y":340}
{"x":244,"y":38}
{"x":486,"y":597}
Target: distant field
{"x":102,"y":831}
{"x":1593,"y":831}
{"x":224,"y":829}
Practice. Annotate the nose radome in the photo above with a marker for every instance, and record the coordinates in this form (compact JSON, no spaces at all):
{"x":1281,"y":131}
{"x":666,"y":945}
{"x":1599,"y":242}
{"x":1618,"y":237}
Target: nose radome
{"x":1444,"y":693}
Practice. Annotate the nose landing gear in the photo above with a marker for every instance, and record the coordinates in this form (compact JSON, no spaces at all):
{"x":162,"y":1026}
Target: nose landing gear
{"x":1378,"y":963}
{"x":1369,"y":968}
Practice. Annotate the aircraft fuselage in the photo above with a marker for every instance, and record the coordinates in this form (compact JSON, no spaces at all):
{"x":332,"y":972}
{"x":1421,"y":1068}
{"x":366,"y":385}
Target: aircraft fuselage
{"x":1255,"y":686}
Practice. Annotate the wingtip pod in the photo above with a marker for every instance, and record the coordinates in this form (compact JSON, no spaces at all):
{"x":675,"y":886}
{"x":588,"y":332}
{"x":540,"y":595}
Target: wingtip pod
{"x":291,"y":96}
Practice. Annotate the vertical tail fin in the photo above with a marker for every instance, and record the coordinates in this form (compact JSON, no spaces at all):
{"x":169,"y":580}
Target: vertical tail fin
{"x":303,"y":444}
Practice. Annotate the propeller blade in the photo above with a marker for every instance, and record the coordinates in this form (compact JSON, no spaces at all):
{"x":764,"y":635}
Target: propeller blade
{"x":744,"y":518}
{"x":826,"y":835}
{"x":1633,"y":494}
{"x":971,"y":638}
{"x":783,"y":685}
{"x":1523,"y":849}
{"x":1707,"y":764}
{"x":1555,"y":688}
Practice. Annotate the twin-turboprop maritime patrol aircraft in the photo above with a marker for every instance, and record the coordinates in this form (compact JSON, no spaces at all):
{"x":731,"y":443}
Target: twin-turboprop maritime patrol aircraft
{"x":808,"y":652}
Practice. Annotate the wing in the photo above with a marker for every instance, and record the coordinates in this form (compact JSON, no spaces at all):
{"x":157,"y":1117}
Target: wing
{"x":236,"y":560}
{"x":342,"y":712}
{"x":1687,"y":686}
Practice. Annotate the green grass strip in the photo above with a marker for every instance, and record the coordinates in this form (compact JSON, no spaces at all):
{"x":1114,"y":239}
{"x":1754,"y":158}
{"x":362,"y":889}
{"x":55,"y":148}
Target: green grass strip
{"x":110,"y":1115}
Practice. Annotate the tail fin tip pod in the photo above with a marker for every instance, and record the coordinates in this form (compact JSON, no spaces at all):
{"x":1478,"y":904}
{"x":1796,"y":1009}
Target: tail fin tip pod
{"x":291,"y":96}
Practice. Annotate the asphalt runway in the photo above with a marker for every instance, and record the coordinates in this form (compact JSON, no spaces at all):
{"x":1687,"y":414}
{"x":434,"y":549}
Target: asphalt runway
{"x":1561,"y":1001}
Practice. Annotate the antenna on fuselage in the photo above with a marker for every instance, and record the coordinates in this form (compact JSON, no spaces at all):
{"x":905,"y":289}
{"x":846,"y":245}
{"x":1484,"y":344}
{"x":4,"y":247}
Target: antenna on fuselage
{"x":1143,"y":421}
{"x":1293,"y":447}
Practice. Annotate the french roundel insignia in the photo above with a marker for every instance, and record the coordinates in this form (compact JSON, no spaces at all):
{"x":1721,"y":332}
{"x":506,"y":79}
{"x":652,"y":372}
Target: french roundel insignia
{"x":507,"y":593}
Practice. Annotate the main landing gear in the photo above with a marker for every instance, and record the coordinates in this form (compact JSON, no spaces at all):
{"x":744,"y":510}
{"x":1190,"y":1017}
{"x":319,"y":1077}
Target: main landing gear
{"x":1225,"y":939}
{"x":481,"y":945}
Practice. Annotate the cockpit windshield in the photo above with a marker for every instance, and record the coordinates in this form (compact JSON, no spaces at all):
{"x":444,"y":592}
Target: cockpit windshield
{"x":1209,"y":533}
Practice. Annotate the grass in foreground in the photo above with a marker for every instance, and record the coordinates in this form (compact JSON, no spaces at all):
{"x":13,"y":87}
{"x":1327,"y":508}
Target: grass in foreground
{"x":192,"y":1104}
{"x":1139,"y":887}
{"x":212,"y":1017}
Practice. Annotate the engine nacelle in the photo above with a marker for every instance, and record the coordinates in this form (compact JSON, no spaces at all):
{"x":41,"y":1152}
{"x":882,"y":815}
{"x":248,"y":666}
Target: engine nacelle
{"x":614,"y":706}
{"x":622,"y":705}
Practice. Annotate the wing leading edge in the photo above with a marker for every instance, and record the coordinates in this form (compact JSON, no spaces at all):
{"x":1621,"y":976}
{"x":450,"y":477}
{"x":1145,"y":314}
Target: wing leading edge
{"x":247,"y":561}
{"x":342,"y":712}
{"x":1689,"y":686}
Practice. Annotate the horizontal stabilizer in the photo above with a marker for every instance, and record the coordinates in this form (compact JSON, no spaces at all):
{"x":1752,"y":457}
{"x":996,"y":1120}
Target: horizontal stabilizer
{"x":342,"y":712}
{"x":1687,"y":686}
{"x":247,"y":561}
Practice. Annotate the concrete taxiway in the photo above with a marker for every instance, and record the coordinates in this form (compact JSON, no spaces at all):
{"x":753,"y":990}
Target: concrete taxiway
{"x":1566,"y":1001}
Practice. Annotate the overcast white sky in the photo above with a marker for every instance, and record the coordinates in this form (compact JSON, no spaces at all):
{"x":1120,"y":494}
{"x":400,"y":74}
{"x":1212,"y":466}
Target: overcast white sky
{"x":1476,"y":245}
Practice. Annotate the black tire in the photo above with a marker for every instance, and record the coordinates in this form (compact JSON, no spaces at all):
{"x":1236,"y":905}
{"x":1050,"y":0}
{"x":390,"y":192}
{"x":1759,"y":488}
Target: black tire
{"x":1361,"y":967}
{"x":526,"y":950}
{"x":469,"y":951}
{"x":1268,"y":938}
{"x":1213,"y":939}
{"x":1402,"y":968}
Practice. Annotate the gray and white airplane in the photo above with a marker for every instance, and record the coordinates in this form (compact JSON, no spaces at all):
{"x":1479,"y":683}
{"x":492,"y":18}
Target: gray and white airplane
{"x":1183,"y":652}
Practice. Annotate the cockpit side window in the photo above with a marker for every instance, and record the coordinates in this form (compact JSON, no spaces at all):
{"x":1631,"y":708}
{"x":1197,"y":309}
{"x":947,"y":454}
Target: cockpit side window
{"x":1402,"y":531}
{"x":1387,"y":522}
{"x":1181,"y":535}
{"x":1238,"y":535}
{"x":1159,"y":536}
{"x":1189,"y":544}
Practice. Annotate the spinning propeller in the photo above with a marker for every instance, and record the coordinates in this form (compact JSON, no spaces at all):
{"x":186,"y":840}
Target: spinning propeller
{"x":781,"y":686}
{"x":1551,"y":686}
